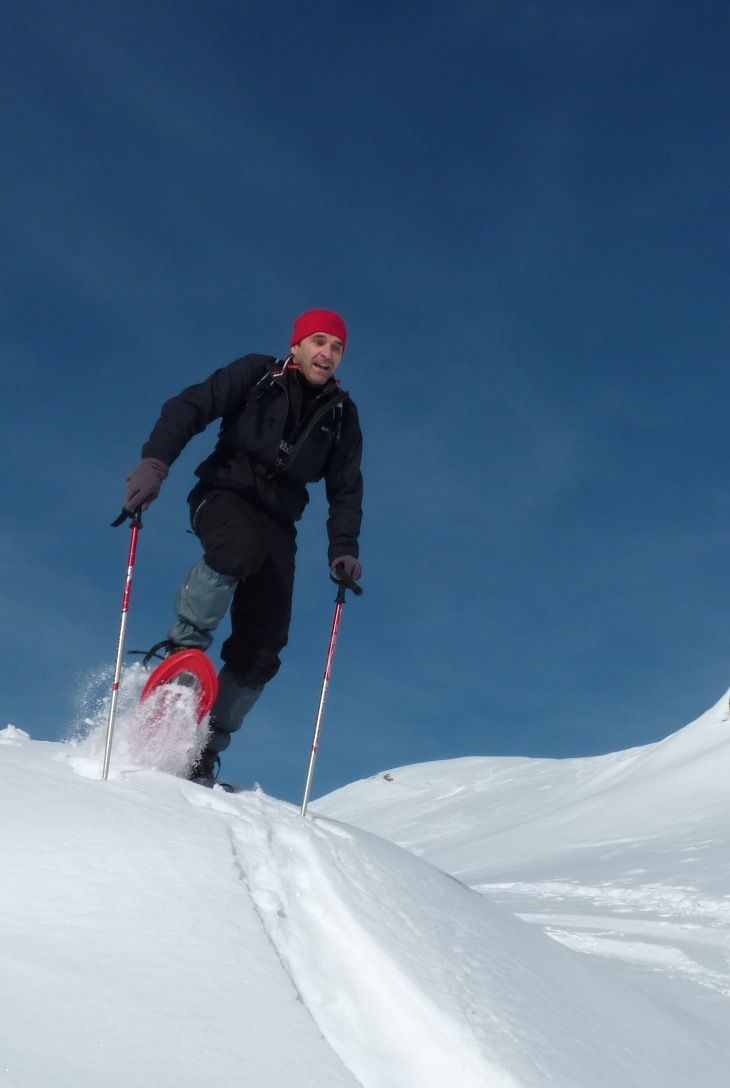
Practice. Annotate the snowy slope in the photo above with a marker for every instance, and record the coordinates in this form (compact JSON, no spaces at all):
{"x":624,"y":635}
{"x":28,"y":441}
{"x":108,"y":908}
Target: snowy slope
{"x":156,"y":933}
{"x":624,"y":858}
{"x":131,"y":952}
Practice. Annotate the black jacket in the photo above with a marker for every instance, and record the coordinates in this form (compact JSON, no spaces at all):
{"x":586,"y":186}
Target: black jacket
{"x":261,"y":404}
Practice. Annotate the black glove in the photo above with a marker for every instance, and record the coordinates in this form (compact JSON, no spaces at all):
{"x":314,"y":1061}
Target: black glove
{"x":349,"y":564}
{"x":144,"y":483}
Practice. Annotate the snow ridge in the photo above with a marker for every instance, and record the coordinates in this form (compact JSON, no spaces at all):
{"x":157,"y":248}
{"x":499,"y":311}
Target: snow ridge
{"x":153,"y":927}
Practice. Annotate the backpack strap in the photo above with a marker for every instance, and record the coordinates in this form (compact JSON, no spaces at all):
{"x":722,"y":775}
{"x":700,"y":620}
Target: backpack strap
{"x":288,"y":451}
{"x":274,"y":370}
{"x":338,"y":415}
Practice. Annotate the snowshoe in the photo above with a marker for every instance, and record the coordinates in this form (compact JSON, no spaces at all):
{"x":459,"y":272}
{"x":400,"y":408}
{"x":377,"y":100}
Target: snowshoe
{"x":183,"y":668}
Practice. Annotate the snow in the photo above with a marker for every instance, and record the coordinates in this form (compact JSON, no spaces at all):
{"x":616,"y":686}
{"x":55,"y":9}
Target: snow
{"x":508,"y":923}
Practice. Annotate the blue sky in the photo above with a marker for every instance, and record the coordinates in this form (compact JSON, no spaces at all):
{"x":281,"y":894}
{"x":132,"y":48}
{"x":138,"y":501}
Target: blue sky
{"x":522,"y":210}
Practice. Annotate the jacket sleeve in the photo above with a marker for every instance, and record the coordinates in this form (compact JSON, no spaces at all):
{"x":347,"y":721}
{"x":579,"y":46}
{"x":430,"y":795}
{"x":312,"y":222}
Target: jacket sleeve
{"x":195,"y":407}
{"x":344,"y":488}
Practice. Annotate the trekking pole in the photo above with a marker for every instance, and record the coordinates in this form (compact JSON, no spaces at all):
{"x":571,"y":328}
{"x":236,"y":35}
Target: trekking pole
{"x":344,"y":583}
{"x":136,"y":519}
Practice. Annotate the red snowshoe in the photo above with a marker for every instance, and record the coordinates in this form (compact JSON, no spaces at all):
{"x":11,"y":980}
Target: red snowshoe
{"x":178,"y":673}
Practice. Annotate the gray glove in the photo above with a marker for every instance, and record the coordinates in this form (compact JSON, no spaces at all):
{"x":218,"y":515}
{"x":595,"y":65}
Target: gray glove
{"x":349,"y":564}
{"x":144,"y":483}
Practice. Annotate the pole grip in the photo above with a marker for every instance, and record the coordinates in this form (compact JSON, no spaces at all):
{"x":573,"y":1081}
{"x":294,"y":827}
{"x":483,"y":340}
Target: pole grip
{"x":134,"y":515}
{"x":344,"y":581}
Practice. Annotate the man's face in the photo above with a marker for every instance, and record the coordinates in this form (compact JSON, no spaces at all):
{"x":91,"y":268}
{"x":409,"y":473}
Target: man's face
{"x":318,"y":356}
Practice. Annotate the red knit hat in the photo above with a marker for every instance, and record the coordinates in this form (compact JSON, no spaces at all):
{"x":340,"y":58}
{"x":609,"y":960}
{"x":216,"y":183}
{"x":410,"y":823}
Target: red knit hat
{"x":312,"y":321}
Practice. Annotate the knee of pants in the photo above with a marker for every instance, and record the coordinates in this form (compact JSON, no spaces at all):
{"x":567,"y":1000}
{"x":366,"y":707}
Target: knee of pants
{"x":251,"y":665}
{"x":233,"y":562}
{"x":229,"y":531}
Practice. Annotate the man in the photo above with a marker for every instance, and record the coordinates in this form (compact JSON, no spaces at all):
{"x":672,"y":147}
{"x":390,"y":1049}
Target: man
{"x":284,"y":424}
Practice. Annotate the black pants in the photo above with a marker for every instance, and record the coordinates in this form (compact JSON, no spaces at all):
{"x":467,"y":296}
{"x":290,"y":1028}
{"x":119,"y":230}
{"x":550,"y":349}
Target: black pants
{"x":243,"y":541}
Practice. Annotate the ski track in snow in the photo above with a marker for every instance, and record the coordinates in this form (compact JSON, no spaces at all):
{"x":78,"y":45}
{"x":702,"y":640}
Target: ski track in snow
{"x":371,"y":1006}
{"x":685,"y":933}
{"x":666,"y":902}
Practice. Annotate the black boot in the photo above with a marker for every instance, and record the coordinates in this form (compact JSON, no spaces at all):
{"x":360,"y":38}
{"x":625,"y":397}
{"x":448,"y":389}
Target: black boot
{"x":205,"y":769}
